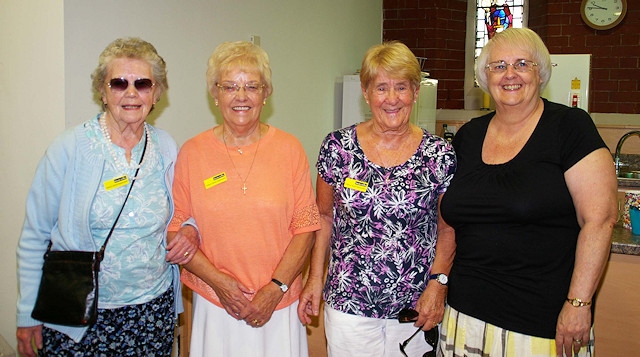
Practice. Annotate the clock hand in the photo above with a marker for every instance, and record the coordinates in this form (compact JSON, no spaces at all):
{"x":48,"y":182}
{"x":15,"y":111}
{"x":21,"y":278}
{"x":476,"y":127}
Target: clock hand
{"x":595,"y":6}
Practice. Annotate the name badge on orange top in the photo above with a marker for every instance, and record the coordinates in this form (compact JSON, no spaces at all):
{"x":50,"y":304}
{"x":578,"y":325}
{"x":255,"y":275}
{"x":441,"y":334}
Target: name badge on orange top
{"x":116,"y":182}
{"x":215,"y":180}
{"x":356,"y":184}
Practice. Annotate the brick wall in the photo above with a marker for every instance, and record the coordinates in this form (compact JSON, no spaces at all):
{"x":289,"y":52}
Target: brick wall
{"x":436,"y":29}
{"x":433,"y":29}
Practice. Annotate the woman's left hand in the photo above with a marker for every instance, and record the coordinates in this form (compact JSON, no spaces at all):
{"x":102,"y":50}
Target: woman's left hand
{"x":183,"y":245}
{"x":430,"y":305}
{"x":259,"y":311}
{"x":573,"y":329}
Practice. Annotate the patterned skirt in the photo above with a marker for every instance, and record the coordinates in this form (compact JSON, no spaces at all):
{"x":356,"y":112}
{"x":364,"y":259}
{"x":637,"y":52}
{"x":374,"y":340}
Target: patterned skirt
{"x":463,"y":335}
{"x":135,"y":330}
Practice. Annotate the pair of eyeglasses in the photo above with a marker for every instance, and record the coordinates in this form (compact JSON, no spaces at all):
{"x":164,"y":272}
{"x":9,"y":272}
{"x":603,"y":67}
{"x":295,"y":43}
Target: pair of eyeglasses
{"x":121,"y":84}
{"x":519,"y":66}
{"x":430,"y":336}
{"x":233,"y":88}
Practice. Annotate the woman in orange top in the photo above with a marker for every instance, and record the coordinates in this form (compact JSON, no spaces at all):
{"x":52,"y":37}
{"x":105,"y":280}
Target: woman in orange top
{"x":248,"y":188}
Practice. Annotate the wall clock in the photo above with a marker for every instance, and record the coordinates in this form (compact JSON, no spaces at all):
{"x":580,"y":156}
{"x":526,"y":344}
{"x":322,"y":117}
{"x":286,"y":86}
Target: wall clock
{"x":603,"y":14}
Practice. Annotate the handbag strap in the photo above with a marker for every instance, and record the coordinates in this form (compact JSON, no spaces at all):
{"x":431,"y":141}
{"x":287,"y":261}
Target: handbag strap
{"x":101,"y":252}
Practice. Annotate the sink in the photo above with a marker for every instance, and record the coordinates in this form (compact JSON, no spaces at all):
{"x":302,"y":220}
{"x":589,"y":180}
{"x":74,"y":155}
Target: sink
{"x":629,"y":174}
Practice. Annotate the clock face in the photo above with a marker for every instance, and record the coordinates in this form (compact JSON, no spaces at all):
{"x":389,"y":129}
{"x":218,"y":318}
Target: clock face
{"x":603,"y":14}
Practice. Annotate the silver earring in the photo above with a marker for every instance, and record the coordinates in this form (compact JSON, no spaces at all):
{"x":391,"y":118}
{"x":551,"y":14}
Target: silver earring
{"x":216,"y":102}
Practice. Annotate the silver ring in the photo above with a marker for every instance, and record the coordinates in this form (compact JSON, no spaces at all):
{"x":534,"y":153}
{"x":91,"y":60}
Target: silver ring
{"x":186,"y":254}
{"x":577,"y":341}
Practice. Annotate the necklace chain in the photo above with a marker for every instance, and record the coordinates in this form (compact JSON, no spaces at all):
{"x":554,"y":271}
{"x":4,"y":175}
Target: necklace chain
{"x":244,"y":181}
{"x":119,"y":164}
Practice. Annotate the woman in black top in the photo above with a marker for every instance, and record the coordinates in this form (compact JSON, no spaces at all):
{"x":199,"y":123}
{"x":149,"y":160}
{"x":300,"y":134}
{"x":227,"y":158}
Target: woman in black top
{"x":533,"y":205}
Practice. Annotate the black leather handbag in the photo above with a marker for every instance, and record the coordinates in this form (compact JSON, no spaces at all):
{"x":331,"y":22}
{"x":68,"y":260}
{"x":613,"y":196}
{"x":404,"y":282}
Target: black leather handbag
{"x":68,"y":292}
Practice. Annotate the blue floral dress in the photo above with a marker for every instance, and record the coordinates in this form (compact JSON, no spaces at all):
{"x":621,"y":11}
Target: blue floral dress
{"x":385,"y":225}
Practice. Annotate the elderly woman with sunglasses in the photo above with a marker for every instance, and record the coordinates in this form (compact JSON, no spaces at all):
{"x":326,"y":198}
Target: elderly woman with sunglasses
{"x":247,"y":185}
{"x":379,"y":185}
{"x":76,"y":194}
{"x":533,"y":205}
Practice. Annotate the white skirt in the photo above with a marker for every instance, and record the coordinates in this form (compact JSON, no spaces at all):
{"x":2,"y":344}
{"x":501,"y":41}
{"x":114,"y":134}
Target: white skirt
{"x":215,"y":333}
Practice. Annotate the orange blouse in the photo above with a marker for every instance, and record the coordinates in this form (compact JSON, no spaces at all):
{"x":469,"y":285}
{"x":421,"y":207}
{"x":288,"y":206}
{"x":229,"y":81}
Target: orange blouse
{"x":244,"y":233}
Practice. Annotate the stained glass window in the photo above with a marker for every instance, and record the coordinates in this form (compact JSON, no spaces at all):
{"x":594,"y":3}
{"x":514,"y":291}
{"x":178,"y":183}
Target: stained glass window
{"x":493,"y":16}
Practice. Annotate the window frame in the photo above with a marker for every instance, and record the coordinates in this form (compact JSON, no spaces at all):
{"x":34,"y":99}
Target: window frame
{"x":473,"y":93}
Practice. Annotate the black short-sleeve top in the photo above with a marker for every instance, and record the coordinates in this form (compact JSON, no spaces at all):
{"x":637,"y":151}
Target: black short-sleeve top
{"x":515,"y":223}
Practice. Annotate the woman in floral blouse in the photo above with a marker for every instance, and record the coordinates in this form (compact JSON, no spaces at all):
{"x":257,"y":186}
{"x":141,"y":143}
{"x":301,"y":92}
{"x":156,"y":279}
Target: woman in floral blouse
{"x":378,"y":190}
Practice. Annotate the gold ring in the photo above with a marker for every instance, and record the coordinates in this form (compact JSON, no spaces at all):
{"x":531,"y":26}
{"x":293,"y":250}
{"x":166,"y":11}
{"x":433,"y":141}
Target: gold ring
{"x":186,"y":254}
{"x":255,"y":321}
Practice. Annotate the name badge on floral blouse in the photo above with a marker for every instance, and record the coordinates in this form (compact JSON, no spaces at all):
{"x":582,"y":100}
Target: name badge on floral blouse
{"x":356,"y":184}
{"x":116,"y":182}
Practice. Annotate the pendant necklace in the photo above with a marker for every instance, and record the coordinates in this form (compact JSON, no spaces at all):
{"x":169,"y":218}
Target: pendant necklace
{"x":121,"y":166}
{"x":244,"y":181}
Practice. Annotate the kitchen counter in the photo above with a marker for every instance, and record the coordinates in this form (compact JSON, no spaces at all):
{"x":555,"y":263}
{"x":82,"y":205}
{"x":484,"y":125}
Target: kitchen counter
{"x":624,"y":242}
{"x":629,"y":183}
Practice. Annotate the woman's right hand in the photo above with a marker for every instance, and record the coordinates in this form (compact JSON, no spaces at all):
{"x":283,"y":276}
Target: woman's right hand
{"x":310,"y":300}
{"x":182,"y":245}
{"x":233,"y":295}
{"x":27,"y":335}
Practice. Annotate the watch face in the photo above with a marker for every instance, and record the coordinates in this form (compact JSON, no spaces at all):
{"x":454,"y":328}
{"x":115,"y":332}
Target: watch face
{"x":603,"y":13}
{"x":575,"y":303}
{"x":440,"y":278}
{"x":443,"y":279}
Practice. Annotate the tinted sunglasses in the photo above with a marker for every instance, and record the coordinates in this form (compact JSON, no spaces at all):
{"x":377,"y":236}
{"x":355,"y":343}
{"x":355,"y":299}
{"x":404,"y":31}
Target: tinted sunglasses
{"x":430,"y":336}
{"x":121,"y":84}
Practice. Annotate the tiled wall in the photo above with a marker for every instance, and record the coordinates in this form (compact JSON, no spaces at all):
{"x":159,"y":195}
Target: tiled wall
{"x":436,"y":29}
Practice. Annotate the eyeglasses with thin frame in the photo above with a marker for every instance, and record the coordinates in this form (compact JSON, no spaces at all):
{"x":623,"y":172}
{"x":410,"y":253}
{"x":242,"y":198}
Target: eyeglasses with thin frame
{"x":520,"y":65}
{"x":400,"y":90}
{"x":430,"y":336}
{"x":233,"y":88}
{"x":142,"y":85}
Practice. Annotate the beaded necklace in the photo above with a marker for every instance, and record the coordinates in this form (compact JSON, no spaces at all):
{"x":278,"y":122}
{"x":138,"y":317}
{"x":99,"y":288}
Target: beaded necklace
{"x":122,"y":165}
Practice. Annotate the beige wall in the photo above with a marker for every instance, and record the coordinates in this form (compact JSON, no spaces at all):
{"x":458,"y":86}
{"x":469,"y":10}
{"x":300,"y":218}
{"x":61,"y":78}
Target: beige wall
{"x":31,"y":114}
{"x":49,"y":49}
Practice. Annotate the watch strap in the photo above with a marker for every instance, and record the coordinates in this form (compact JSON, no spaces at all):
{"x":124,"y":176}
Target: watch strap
{"x":280,"y":284}
{"x":441,"y":278}
{"x":578,"y":302}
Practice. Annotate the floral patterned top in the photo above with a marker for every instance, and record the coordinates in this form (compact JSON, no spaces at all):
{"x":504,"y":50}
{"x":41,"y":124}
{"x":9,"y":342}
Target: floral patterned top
{"x":385,"y":223}
{"x":134,"y":269}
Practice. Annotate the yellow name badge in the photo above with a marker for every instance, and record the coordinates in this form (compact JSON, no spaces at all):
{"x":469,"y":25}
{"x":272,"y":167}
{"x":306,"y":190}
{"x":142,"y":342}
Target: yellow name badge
{"x":356,"y":184}
{"x":215,"y":180}
{"x":116,"y":182}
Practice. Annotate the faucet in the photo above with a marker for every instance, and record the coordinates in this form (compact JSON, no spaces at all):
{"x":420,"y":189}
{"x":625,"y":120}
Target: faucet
{"x":619,"y":146}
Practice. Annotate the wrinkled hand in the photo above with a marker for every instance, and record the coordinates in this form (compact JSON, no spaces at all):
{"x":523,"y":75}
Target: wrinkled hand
{"x":261,"y":308}
{"x":233,"y":296}
{"x":430,"y":305}
{"x":182,"y":248}
{"x":310,"y":300}
{"x":25,"y":336}
{"x":573,"y":329}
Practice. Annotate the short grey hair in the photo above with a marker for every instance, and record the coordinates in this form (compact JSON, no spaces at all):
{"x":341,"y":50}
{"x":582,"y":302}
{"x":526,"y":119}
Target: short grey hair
{"x":520,"y":38}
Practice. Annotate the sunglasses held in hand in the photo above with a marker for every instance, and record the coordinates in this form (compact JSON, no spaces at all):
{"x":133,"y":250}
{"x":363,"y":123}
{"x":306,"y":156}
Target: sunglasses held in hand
{"x":430,"y":336}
